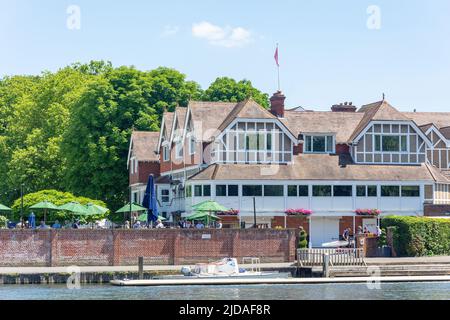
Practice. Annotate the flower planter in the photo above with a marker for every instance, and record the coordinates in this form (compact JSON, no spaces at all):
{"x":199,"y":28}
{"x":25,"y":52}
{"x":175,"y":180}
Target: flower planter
{"x":298,"y":212}
{"x":368,"y":212}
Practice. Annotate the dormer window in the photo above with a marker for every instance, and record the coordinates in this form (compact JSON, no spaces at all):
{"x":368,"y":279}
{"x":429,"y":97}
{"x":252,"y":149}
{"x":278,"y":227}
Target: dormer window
{"x":319,"y":144}
{"x":391,"y":143}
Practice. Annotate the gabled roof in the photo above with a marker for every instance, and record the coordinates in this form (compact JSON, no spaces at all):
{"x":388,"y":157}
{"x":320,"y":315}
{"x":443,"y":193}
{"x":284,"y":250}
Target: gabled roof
{"x":143,"y":146}
{"x":166,"y":123}
{"x":247,"y":109}
{"x":439,"y":119}
{"x":445,"y":132}
{"x":178,"y":121}
{"x":168,"y":119}
{"x":377,"y":111}
{"x":208,"y":116}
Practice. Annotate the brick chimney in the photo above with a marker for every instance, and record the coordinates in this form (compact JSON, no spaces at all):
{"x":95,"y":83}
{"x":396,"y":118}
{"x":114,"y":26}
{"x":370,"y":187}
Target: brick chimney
{"x":277,"y":104}
{"x":344,"y":107}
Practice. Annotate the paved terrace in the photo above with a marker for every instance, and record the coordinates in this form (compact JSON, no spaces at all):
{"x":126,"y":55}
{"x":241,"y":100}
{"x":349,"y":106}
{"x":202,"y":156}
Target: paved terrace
{"x":443,"y":260}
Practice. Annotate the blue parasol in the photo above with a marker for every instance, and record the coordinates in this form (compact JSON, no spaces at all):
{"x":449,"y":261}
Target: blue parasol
{"x":150,"y":201}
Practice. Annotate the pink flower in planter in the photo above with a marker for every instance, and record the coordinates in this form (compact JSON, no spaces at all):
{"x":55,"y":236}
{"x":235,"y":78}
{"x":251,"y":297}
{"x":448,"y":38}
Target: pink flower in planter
{"x":368,"y":212}
{"x":298,"y":212}
{"x":232,"y":212}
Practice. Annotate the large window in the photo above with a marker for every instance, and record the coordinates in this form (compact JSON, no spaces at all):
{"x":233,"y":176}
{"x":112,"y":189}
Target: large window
{"x":298,"y":191}
{"x":273,"y":191}
{"x":411,"y":191}
{"x":221,"y":190}
{"x":321,"y":191}
{"x":251,"y":191}
{"x":366,"y":191}
{"x":343,"y":191}
{"x":319,"y":144}
{"x":202,"y":190}
{"x":233,"y":190}
{"x":390,"y":143}
{"x":390,"y":191}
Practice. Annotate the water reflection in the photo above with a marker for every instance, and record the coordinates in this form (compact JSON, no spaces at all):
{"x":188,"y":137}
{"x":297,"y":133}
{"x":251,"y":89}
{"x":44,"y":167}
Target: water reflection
{"x":389,"y":291}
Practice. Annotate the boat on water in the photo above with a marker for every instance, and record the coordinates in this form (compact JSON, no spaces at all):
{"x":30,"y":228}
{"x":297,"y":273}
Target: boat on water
{"x":227,"y":268}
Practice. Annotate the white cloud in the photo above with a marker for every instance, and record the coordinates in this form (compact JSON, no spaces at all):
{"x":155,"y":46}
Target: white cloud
{"x":225,"y":37}
{"x":170,"y":31}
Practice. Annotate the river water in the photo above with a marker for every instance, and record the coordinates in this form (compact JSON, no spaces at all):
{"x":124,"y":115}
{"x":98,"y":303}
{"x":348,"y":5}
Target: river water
{"x":388,"y":291}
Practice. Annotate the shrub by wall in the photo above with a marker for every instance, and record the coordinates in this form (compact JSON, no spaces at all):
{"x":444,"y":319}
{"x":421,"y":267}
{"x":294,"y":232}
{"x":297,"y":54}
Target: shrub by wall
{"x":419,"y":236}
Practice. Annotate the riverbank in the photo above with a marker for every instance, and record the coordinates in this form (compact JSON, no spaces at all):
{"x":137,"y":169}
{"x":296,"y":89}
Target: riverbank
{"x":421,"y":266}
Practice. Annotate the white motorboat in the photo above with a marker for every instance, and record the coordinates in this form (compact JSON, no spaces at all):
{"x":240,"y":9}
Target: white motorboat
{"x":226,"y":269}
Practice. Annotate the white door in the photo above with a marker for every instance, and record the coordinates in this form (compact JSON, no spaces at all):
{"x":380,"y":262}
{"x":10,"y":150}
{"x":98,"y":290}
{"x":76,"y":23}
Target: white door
{"x":323,"y":230}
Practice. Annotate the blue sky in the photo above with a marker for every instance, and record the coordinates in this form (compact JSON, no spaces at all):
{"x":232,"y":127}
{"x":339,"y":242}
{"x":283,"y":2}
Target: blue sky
{"x":327,"y":52}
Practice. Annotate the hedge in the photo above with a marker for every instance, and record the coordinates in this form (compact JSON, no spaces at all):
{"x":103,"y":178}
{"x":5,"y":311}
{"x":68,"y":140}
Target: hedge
{"x":419,"y":236}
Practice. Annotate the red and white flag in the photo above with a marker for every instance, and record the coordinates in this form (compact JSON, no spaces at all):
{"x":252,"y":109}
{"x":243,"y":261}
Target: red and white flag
{"x":276,"y":57}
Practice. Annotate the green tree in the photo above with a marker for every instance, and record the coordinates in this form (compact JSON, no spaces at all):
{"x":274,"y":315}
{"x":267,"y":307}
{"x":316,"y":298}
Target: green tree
{"x":229,"y":90}
{"x":97,"y":138}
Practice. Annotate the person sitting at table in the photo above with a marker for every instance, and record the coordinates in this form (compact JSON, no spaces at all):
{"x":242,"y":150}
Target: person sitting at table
{"x":137,"y":225}
{"x":200,"y":225}
{"x":56,"y":225}
{"x":159,"y":225}
{"x":43,"y":225}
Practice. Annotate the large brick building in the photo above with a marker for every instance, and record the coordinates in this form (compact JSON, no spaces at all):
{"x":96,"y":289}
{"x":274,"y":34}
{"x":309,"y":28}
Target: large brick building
{"x":331,"y":163}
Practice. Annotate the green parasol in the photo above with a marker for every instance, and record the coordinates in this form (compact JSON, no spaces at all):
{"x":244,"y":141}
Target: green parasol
{"x":143,"y":218}
{"x":210,"y":206}
{"x":204,"y":216}
{"x":134,"y":208}
{"x":45,"y":205}
{"x":95,"y":209}
{"x":76,"y":208}
{"x":4,"y":208}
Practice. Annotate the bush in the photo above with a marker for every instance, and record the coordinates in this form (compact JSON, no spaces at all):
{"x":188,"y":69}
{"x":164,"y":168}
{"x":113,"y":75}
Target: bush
{"x":419,"y":236}
{"x":302,"y":240}
{"x":3,"y":222}
{"x":56,"y":197}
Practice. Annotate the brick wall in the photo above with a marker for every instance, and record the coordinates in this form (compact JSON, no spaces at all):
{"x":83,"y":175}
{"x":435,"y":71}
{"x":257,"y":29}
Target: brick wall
{"x":123,"y":247}
{"x":145,"y":169}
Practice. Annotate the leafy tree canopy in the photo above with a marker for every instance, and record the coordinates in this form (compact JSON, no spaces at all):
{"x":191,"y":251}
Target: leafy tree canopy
{"x":229,"y":90}
{"x":70,"y":130}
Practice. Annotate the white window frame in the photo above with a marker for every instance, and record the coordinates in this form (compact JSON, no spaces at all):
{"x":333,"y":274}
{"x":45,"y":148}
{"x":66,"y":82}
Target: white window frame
{"x":179,"y":149}
{"x":192,"y":143}
{"x":311,"y":137}
{"x":166,"y":153}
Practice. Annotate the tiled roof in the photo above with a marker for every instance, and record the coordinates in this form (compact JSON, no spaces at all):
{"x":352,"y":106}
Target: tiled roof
{"x":144,"y":145}
{"x":209,"y":116}
{"x":246,"y":109}
{"x":168,"y":119}
{"x":340,"y":123}
{"x":317,"y":167}
{"x":439,"y":119}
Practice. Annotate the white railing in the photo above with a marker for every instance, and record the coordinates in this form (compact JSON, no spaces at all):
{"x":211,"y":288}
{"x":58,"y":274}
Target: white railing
{"x":338,"y":257}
